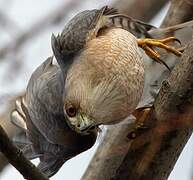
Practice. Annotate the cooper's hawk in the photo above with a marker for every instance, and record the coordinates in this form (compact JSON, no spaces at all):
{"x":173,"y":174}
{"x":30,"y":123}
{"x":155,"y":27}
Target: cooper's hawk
{"x":105,"y":81}
{"x":99,"y":80}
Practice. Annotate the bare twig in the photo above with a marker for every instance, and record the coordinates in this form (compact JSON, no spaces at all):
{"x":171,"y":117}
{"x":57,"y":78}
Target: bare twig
{"x":17,"y":159}
{"x":11,"y":130}
{"x":8,"y":24}
{"x":52,"y":18}
{"x":138,"y":8}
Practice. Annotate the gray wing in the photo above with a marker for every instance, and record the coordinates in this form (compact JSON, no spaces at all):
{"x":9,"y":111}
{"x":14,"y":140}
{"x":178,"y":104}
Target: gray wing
{"x":45,"y":103}
{"x":75,"y":35}
{"x":18,"y":116}
{"x":34,"y":145}
{"x":47,"y":135}
{"x":44,"y":98}
{"x":85,"y":26}
{"x":78,"y":30}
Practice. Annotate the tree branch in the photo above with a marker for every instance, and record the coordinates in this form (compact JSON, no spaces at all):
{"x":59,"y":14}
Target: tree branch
{"x":182,"y":10}
{"x":11,"y":130}
{"x":138,"y":8}
{"x":17,"y":159}
{"x":54,"y":17}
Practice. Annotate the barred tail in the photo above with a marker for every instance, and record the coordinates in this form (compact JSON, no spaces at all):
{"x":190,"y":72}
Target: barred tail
{"x":18,"y":118}
{"x":135,"y":27}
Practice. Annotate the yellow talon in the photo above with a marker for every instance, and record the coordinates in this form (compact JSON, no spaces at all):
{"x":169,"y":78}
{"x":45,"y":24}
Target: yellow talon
{"x":139,"y":127}
{"x":148,"y":44}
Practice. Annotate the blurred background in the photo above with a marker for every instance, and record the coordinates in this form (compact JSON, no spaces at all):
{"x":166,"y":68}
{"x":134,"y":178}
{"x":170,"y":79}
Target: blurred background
{"x":25,"y":30}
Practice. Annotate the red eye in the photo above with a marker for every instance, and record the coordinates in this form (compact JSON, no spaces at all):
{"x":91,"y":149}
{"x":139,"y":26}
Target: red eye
{"x":71,"y":110}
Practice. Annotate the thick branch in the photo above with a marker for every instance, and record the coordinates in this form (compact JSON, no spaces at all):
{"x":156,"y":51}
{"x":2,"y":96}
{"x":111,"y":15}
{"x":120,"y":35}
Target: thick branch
{"x":111,"y":152}
{"x":55,"y":17}
{"x":8,"y":24}
{"x":182,"y":10}
{"x":17,"y":159}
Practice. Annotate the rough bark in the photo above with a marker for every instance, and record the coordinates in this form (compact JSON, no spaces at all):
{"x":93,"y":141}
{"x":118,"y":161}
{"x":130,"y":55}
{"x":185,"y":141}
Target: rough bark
{"x":53,"y":18}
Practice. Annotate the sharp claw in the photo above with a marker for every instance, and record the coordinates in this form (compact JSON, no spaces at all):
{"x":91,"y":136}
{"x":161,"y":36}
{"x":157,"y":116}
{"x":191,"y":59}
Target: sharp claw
{"x":139,"y":128}
{"x":181,"y":49}
{"x":155,"y":56}
{"x":163,"y":62}
{"x":170,"y":39}
{"x":148,"y":44}
{"x":177,"y":40}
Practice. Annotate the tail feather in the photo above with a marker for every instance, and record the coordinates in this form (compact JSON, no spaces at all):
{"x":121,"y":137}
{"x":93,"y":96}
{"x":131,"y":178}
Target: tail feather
{"x":21,"y":139}
{"x":18,"y":120}
{"x":110,"y":11}
{"x":136,"y":27}
{"x":22,"y":142}
{"x":50,"y":165}
{"x":18,"y":116}
{"x":29,"y":153}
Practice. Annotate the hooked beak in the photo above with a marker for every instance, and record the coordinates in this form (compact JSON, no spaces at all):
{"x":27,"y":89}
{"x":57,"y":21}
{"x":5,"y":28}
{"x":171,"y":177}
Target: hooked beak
{"x":82,"y":124}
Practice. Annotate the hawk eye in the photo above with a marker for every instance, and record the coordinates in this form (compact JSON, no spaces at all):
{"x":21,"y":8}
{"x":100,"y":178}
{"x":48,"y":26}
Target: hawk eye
{"x":71,"y":110}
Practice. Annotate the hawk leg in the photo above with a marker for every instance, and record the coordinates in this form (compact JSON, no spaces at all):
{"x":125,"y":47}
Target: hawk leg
{"x":139,"y":127}
{"x":148,"y":44}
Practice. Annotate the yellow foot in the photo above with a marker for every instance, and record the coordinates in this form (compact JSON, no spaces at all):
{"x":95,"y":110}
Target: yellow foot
{"x":139,"y":127}
{"x":137,"y":130}
{"x":148,"y":44}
